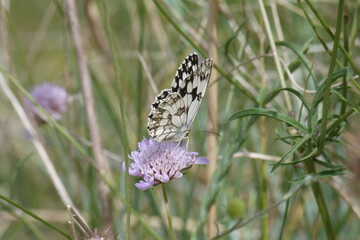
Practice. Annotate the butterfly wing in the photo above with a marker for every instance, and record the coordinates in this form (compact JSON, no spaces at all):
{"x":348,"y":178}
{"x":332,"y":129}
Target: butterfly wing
{"x":191,"y":82}
{"x":175,"y":109}
{"x":187,"y":67}
{"x":167,"y":117}
{"x":195,"y":87}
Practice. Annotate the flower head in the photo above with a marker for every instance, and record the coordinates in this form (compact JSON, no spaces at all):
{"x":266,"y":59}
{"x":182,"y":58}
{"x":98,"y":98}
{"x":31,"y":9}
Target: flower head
{"x":49,"y":96}
{"x":159,"y":162}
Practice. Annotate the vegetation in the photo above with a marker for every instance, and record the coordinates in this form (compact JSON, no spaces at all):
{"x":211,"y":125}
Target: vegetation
{"x":283,"y":97}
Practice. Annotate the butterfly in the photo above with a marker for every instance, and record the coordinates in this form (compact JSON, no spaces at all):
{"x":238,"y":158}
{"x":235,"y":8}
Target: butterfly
{"x":175,"y":108}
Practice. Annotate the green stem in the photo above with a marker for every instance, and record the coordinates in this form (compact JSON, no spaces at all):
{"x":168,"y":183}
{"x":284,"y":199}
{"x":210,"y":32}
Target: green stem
{"x":265,"y":221}
{"x":327,"y":29}
{"x":326,"y":103}
{"x":344,"y":50}
{"x":318,"y":16}
{"x":139,"y":218}
{"x":124,"y":136}
{"x":354,"y":27}
{"x":318,"y":35}
{"x":286,"y":212}
{"x":315,"y":186}
{"x":346,"y":46}
{"x":35,"y":216}
{"x":171,"y":229}
{"x":264,"y":180}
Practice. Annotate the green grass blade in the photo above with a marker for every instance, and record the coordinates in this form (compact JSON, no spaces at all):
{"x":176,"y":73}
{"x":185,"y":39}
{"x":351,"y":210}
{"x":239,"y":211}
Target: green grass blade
{"x":36,"y":217}
{"x":271,"y":114}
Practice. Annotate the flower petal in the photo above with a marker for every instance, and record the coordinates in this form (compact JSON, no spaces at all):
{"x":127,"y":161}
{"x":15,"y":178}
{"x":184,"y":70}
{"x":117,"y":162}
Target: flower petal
{"x":201,"y":160}
{"x":143,"y":185}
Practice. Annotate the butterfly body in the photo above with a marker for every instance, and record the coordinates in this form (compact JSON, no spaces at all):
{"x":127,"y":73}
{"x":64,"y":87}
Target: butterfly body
{"x":175,"y":108}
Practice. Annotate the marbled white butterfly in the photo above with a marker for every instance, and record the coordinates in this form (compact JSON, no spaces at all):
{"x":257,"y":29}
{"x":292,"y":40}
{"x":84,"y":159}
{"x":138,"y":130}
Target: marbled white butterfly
{"x":175,"y":108}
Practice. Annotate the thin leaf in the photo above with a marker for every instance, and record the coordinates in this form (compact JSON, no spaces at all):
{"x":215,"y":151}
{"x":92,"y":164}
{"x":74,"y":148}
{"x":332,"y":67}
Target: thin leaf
{"x":296,"y":64}
{"x":292,"y":150}
{"x":233,"y":37}
{"x":298,"y":94}
{"x":325,"y":173}
{"x":272,"y":114}
{"x":326,"y":164}
{"x":356,"y":108}
{"x":299,"y":53}
{"x":303,"y":158}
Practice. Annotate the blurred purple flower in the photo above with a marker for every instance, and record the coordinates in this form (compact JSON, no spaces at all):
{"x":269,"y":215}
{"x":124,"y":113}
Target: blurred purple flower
{"x":51,"y":97}
{"x":159,"y":162}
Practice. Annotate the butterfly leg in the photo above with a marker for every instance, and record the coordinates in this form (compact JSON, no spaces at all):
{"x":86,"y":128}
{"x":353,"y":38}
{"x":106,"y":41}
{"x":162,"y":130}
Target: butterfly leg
{"x":186,"y":142}
{"x":179,"y":144}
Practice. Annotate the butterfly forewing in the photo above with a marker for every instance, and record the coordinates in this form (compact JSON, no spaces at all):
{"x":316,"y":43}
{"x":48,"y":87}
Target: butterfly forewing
{"x":197,"y":89}
{"x":175,"y":109}
{"x":187,"y":67}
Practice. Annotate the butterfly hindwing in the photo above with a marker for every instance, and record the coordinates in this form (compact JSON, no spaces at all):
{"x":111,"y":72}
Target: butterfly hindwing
{"x":159,"y":98}
{"x":167,"y":118}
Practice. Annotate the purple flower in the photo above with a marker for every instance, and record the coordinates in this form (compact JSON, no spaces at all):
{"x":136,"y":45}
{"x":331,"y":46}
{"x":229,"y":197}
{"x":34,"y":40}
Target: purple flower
{"x":159,"y":162}
{"x":51,"y":97}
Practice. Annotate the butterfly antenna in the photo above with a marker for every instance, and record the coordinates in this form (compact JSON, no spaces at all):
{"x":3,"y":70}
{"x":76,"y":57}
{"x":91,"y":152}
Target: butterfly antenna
{"x":209,"y":132}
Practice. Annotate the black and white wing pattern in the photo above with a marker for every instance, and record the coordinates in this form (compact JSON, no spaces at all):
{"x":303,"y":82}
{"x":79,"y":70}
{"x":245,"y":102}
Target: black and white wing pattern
{"x":175,"y":108}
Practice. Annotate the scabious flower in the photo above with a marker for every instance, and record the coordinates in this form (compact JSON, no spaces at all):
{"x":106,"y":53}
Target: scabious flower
{"x":159,"y":162}
{"x":51,"y":97}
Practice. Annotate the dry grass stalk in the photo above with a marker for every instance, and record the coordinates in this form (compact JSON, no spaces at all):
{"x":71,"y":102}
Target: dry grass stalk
{"x":100,"y":160}
{"x":212,"y":111}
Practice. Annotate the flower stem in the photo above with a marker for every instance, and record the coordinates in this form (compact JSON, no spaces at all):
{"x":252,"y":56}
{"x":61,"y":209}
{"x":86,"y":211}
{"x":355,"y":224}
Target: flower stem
{"x":326,"y":102}
{"x":124,"y":136}
{"x":316,"y":189}
{"x":264,"y":180}
{"x":171,"y":230}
